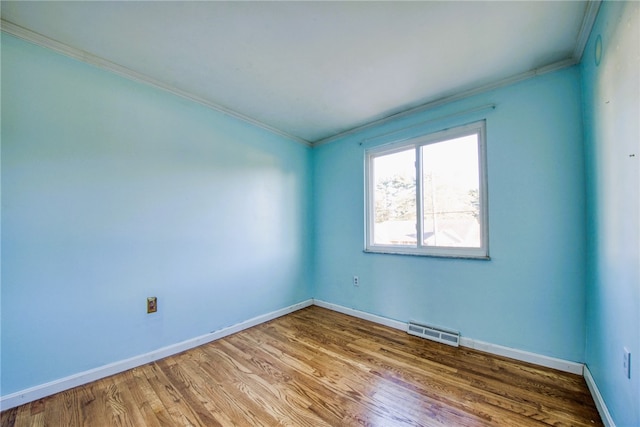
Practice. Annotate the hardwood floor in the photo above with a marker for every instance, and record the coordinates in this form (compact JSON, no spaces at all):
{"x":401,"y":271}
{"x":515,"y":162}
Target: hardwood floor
{"x":316,"y":367}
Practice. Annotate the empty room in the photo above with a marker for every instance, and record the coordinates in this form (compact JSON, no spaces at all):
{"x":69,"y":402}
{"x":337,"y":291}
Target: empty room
{"x":320,"y":213}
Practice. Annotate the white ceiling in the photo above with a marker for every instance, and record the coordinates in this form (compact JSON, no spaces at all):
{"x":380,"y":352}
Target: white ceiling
{"x":313,"y":69}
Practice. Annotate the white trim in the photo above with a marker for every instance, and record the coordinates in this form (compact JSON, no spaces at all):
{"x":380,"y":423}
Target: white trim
{"x":524,"y":356}
{"x":597,"y":398}
{"x":512,"y":353}
{"x":80,"y":55}
{"x":62,"y":384}
{"x":388,"y":137}
{"x":395,"y":324}
{"x":565,"y":63}
{"x":590,"y":14}
{"x":417,"y":143}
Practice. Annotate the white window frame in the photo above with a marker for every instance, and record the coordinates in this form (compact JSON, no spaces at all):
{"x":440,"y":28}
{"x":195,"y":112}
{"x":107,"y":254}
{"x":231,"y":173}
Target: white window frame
{"x":477,"y":128}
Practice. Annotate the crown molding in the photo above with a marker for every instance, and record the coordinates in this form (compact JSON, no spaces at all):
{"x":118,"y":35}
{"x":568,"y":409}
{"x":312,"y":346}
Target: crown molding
{"x":589,"y":19}
{"x":91,"y":59}
{"x":587,"y":24}
{"x":565,"y":63}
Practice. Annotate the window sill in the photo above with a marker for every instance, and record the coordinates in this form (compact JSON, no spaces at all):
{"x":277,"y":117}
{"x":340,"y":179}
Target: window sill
{"x":393,"y":251}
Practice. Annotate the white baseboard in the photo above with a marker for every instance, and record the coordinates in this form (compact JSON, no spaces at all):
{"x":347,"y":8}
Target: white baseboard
{"x":396,"y":324}
{"x":62,"y":384}
{"x":524,"y":356}
{"x":597,"y":398}
{"x":512,"y":353}
{"x":47,"y":389}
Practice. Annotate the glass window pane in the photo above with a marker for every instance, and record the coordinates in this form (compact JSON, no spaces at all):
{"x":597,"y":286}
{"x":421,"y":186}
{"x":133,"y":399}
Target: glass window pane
{"x":394,"y":180}
{"x":450,"y":191}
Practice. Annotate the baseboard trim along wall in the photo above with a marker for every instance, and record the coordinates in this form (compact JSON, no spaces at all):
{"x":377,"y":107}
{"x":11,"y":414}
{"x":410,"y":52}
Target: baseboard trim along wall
{"x":396,"y":324}
{"x":524,"y":356}
{"x":57,"y":386}
{"x":597,"y":398}
{"x":62,"y":384}
{"x":512,"y":353}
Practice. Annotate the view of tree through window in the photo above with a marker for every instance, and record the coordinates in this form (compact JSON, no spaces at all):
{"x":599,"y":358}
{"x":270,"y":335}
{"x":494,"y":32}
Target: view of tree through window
{"x":395,"y":198}
{"x":437,"y":180}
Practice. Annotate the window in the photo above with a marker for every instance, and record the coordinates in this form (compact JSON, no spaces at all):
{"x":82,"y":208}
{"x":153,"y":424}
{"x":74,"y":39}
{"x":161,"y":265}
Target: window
{"x":427,"y":195}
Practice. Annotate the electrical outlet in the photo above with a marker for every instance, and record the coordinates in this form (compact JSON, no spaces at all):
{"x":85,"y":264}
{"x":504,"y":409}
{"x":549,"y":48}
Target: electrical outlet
{"x":356,"y":281}
{"x":626,"y":362}
{"x":152,"y":305}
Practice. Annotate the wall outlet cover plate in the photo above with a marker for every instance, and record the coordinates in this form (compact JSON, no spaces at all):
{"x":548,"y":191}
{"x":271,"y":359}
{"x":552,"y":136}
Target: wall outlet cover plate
{"x":152,"y":305}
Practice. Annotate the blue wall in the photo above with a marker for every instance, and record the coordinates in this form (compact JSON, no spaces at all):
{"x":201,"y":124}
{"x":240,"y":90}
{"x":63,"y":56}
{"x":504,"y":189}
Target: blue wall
{"x":113,"y":191}
{"x":530,"y":295}
{"x":612,"y":133}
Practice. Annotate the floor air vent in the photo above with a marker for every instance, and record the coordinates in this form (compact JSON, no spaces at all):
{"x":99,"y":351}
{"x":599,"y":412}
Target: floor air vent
{"x":435,"y":334}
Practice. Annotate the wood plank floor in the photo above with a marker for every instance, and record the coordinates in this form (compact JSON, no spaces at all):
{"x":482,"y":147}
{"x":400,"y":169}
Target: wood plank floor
{"x":316,"y":367}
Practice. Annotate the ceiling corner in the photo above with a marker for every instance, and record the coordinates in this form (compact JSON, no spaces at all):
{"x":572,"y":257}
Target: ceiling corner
{"x":590,"y":14}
